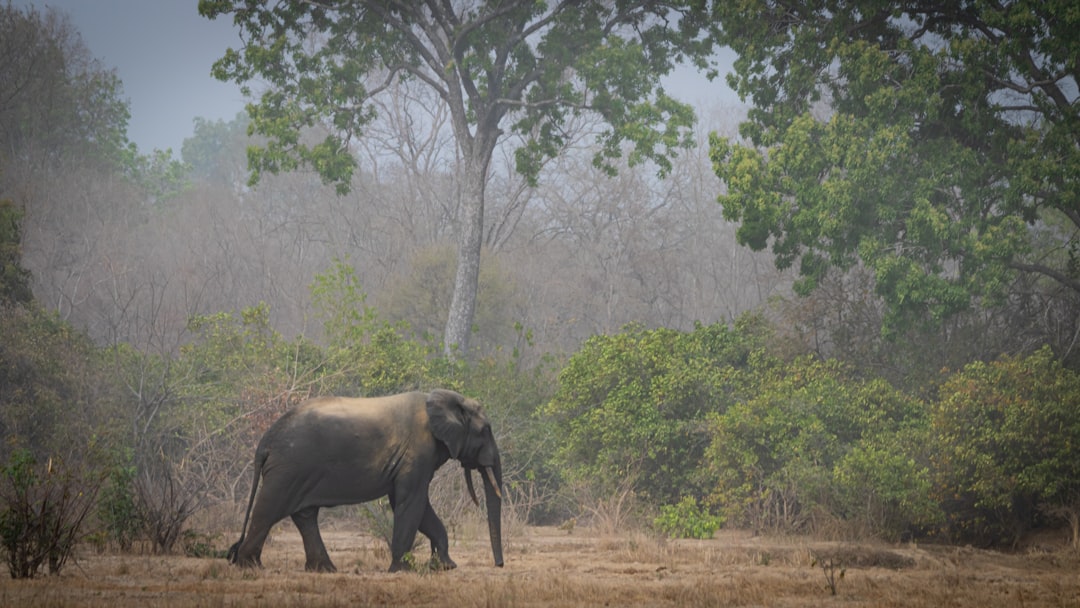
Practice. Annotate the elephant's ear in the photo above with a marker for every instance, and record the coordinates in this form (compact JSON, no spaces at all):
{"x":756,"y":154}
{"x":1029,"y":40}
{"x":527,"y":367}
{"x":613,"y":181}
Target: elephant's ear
{"x":447,"y":419}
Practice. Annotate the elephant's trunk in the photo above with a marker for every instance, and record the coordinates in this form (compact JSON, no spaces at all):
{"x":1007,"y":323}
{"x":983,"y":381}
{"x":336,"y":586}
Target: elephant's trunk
{"x":492,"y":481}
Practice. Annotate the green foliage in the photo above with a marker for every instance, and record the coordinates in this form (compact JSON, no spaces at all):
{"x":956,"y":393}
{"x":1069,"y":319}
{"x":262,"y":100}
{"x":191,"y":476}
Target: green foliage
{"x":341,"y":304}
{"x":632,"y":405}
{"x":929,"y":144}
{"x":487,"y":60}
{"x":54,"y":390}
{"x":369,"y":356}
{"x":776,"y":455}
{"x":1006,"y":445}
{"x":686,"y":519}
{"x":202,"y":410}
{"x":884,"y":484}
{"x":234,"y":354}
{"x":158,"y":174}
{"x":511,"y":394}
{"x":231,"y":354}
{"x":235,"y":343}
{"x":41,"y":513}
{"x":217,"y":150}
{"x":378,"y":519}
{"x":117,"y":506}
{"x":14,"y":279}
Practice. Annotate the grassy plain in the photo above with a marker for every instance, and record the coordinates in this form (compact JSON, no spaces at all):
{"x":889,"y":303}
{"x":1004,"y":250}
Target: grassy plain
{"x":551,"y":567}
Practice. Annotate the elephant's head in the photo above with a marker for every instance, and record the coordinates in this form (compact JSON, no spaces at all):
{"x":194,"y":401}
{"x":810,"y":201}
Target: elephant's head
{"x":460,"y":424}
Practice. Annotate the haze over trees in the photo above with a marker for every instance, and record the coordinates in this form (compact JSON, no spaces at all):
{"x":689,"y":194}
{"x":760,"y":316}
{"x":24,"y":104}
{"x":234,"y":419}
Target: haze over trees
{"x":158,"y":313}
{"x":529,"y":66}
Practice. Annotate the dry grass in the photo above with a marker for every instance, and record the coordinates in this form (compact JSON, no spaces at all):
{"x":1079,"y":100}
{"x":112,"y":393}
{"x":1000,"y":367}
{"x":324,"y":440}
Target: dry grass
{"x":548,"y":567}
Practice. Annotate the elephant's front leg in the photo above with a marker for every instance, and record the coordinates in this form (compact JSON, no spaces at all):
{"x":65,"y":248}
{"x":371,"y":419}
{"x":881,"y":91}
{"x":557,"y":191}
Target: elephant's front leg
{"x":408,"y":513}
{"x":432,"y":527}
{"x":316,"y":558}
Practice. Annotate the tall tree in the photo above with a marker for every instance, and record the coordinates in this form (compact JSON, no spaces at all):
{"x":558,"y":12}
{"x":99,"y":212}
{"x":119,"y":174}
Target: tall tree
{"x":938,"y":144}
{"x":57,"y":101}
{"x":534,"y":65}
{"x":215,"y":151}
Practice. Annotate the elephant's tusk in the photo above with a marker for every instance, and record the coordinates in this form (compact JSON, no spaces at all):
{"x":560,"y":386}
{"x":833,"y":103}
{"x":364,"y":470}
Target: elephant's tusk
{"x":491,"y":478}
{"x":468,"y":483}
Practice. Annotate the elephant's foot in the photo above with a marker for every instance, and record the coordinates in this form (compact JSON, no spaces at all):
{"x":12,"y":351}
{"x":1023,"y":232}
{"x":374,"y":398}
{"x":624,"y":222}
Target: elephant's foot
{"x":320,"y":566}
{"x":246,"y":562}
{"x":436,"y":564}
{"x":398,"y":566}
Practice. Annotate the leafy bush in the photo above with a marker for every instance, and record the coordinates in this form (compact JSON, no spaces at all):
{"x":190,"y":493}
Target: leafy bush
{"x":41,"y":513}
{"x":54,"y":389}
{"x":1006,"y":447}
{"x":633,"y":405}
{"x":365,"y":355}
{"x":885,"y":486}
{"x":776,"y":457}
{"x":686,"y":519}
{"x":117,"y":508}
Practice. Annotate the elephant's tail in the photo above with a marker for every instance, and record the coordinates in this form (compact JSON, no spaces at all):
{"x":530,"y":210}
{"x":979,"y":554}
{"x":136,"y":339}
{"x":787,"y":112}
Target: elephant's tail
{"x":260,"y":460}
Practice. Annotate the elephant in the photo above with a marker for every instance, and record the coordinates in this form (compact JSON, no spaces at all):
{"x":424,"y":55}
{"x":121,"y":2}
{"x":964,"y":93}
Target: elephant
{"x":332,"y":451}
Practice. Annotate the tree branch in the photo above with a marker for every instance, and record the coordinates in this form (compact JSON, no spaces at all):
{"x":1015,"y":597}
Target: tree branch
{"x":1046,"y":271}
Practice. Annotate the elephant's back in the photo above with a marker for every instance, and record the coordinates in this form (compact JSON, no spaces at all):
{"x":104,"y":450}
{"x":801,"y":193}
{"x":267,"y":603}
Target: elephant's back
{"x":327,"y":421}
{"x":364,"y":410}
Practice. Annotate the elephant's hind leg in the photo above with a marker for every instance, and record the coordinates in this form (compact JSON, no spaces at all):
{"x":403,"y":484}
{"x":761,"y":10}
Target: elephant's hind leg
{"x":316,"y":558}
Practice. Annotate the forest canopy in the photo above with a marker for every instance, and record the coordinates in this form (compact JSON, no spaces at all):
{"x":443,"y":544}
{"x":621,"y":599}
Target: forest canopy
{"x":938,"y":146}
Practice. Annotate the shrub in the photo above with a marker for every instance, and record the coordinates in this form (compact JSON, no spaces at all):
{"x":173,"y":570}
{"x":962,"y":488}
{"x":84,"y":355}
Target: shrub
{"x":166,"y":496}
{"x":687,"y":520}
{"x":1006,"y":447}
{"x":634,"y":405}
{"x":117,"y":508}
{"x":41,"y":513}
{"x":776,"y":457}
{"x":885,"y":488}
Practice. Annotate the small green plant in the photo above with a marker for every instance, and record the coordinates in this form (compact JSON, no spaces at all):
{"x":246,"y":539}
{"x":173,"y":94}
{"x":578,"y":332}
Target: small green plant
{"x":413,"y":563}
{"x":833,"y":568}
{"x":687,"y":520}
{"x":197,"y":544}
{"x":41,"y":513}
{"x":98,"y":539}
{"x":117,"y":509}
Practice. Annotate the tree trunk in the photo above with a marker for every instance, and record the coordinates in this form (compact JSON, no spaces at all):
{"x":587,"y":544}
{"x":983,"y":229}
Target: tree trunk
{"x":470,"y":238}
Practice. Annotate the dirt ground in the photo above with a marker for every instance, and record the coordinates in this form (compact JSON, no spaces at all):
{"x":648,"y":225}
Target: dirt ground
{"x":552,"y":567}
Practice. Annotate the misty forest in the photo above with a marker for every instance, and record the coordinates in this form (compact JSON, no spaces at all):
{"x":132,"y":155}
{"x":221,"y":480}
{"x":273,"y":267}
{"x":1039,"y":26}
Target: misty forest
{"x":848,"y":307}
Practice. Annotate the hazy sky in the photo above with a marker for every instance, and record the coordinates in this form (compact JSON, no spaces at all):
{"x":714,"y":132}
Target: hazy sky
{"x":163,"y":50}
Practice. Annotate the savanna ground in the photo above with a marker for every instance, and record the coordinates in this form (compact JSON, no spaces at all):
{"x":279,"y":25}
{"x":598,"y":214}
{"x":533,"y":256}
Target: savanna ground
{"x":554,"y":567}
